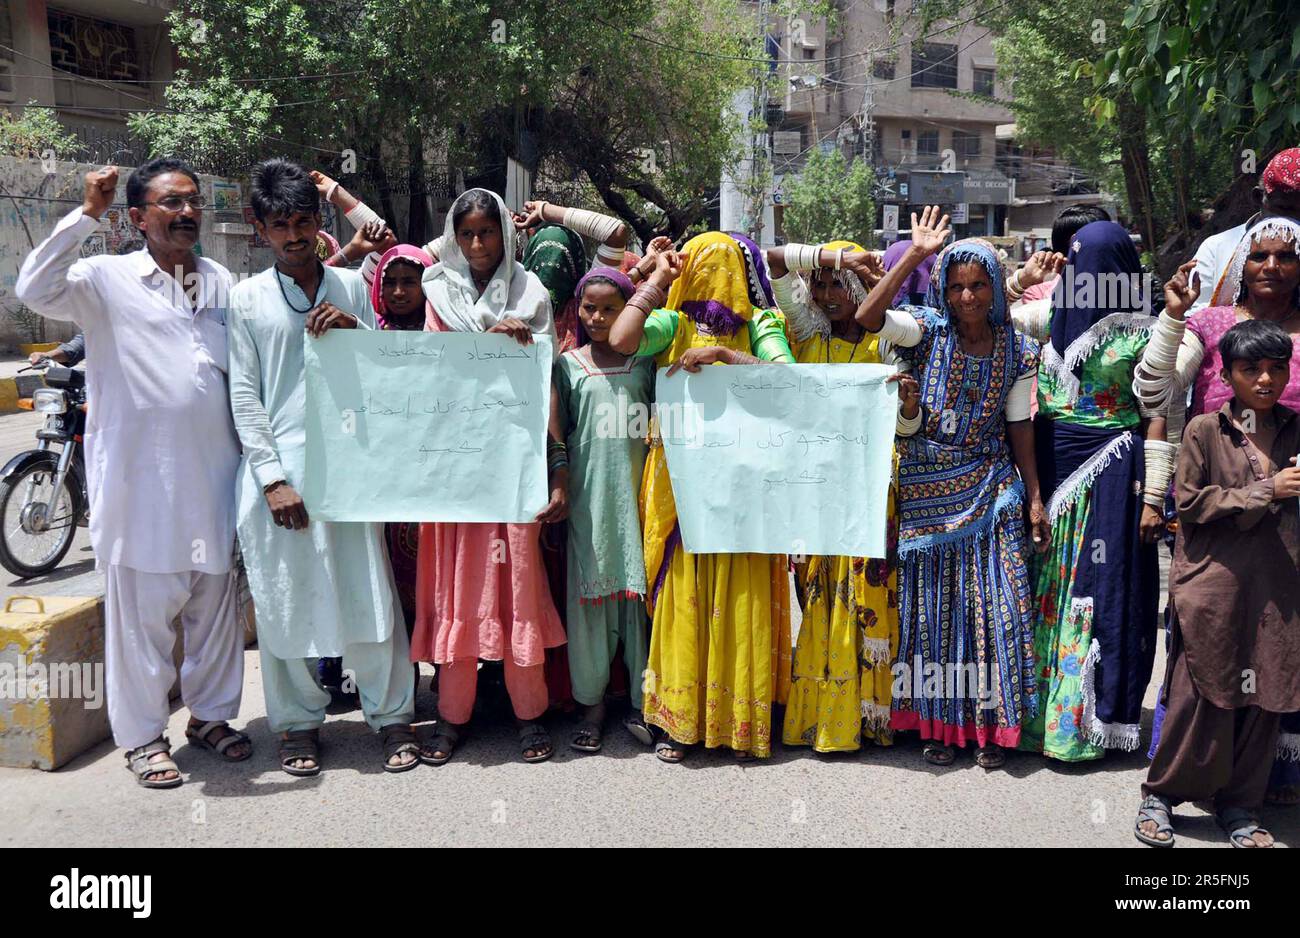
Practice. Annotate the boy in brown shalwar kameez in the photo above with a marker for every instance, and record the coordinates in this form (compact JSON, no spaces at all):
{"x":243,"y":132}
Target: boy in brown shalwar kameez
{"x":1234,"y":656}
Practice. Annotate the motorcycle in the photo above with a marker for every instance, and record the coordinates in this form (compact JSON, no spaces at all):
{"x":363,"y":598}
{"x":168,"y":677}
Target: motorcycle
{"x":43,"y":495}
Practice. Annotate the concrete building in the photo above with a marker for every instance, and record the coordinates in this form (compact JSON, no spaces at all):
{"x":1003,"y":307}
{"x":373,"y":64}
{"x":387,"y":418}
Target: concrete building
{"x":92,"y":61}
{"x":925,"y":110}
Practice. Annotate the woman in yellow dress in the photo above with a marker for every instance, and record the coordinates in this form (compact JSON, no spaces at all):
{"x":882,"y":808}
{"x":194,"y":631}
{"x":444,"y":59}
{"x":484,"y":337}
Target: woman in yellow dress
{"x":841,"y":684}
{"x":720,"y":638}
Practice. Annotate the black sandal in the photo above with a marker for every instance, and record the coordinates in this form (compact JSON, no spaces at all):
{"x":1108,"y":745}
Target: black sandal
{"x":399,"y":738}
{"x":586,"y":730}
{"x":199,"y":736}
{"x":635,"y":725}
{"x":445,"y":740}
{"x":534,"y":736}
{"x":938,"y":754}
{"x":300,"y":745}
{"x":990,"y":757}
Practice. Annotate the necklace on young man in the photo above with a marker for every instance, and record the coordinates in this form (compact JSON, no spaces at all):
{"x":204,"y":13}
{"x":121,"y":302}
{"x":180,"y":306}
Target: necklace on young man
{"x":288,"y":302}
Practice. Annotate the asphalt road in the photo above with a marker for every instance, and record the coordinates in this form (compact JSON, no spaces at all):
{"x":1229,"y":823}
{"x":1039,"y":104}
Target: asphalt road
{"x":621,"y":797}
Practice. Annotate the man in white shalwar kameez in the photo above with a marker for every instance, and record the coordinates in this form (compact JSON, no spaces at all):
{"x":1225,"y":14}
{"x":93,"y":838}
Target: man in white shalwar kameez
{"x":161,"y":455}
{"x":321,"y":589}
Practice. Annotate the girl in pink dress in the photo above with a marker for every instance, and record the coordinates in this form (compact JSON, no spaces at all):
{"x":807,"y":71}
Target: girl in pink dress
{"x":481,"y":590}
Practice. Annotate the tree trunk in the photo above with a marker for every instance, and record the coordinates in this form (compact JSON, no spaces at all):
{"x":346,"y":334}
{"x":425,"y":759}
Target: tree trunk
{"x":417,"y":218}
{"x":382,"y":185}
{"x":1233,"y":206}
{"x":1136,"y":161}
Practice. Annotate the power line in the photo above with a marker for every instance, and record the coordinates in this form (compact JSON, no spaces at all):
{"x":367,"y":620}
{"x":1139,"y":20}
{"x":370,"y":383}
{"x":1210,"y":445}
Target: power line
{"x":190,"y":80}
{"x":92,"y":81}
{"x":174,"y":111}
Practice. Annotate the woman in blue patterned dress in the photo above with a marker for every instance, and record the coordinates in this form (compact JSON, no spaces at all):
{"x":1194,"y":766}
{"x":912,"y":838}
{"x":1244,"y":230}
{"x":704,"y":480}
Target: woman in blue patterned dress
{"x":965,"y":666}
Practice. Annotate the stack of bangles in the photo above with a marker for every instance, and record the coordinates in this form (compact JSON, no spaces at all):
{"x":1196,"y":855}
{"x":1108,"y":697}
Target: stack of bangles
{"x":805,"y":256}
{"x":647,"y":299}
{"x":1161,"y":457}
{"x":557,"y":456}
{"x":1014,"y":290}
{"x":1151,"y":379}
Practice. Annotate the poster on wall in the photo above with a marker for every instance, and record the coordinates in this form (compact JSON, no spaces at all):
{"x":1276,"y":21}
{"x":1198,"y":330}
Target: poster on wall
{"x":226,"y":201}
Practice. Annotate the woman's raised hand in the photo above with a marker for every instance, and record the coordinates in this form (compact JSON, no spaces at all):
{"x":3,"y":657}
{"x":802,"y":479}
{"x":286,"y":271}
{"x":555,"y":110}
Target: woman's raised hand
{"x":668,"y":267}
{"x":931,"y":231}
{"x":658,"y":246}
{"x":322,"y":182}
{"x":374,"y":237}
{"x":866,"y":265}
{"x":1040,"y":266}
{"x":531,"y":216}
{"x":1181,"y":290}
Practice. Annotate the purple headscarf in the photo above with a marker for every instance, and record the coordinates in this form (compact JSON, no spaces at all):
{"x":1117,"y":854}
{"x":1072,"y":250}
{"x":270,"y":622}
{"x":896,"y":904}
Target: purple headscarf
{"x":613,"y":275}
{"x":760,"y":288}
{"x":914,"y":287}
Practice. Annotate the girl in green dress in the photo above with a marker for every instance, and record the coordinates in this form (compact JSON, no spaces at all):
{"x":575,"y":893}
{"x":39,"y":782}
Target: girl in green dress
{"x":604,"y":405}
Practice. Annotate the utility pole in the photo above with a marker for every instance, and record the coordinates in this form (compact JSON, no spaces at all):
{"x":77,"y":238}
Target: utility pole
{"x":760,"y":158}
{"x":868,"y":107}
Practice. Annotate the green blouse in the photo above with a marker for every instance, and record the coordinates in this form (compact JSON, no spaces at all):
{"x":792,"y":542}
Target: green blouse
{"x":766,"y":334}
{"x":605,"y":413}
{"x":1106,"y":396}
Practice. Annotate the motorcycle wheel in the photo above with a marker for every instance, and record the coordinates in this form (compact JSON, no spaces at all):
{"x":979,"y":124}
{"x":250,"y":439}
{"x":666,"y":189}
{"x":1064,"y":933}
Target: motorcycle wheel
{"x":30,"y":547}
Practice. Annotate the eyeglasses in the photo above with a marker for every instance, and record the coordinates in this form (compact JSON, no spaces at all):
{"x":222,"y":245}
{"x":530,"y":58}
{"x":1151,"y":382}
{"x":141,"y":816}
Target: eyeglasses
{"x":176,"y":203}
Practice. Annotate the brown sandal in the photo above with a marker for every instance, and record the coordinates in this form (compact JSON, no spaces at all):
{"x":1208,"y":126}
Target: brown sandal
{"x":199,"y":736}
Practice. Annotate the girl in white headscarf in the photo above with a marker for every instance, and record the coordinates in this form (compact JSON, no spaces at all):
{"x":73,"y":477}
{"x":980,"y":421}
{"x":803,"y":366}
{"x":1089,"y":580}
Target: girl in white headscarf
{"x":481,"y":589}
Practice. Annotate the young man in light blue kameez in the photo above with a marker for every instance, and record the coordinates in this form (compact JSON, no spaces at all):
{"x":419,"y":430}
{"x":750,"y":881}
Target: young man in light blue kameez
{"x":321,"y":589}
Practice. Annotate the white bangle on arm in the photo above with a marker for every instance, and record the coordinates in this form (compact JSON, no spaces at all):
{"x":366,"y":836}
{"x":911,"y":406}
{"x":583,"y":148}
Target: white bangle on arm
{"x":801,"y":256}
{"x":361,"y":215}
{"x":592,"y":225}
{"x":1161,"y":459}
{"x":907,"y":426}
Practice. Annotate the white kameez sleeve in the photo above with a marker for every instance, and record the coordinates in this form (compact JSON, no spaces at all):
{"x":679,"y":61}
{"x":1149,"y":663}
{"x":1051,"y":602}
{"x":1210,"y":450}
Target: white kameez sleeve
{"x":791,"y":295}
{"x":1020,"y":400}
{"x":53,"y":282}
{"x":1034,"y":318}
{"x":1205,"y":271}
{"x":899,"y":329}
{"x":251,"y":421}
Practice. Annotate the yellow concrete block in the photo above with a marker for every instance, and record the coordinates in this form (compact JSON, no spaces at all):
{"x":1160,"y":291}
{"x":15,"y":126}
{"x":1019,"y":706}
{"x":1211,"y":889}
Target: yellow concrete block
{"x":8,"y":396}
{"x":53,"y":697}
{"x":52,"y":693}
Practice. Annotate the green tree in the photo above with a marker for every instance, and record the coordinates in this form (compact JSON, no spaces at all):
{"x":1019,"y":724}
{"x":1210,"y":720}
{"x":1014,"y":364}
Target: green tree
{"x":31,"y":134}
{"x":579,"y":87}
{"x":1206,"y":72}
{"x":831,"y":199}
